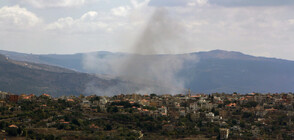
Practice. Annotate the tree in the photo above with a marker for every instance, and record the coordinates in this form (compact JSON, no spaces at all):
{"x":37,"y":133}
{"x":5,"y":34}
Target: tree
{"x":108,"y":127}
{"x":234,"y":122}
{"x":98,"y":109}
{"x":96,"y":98}
{"x":242,"y":124}
{"x":247,"y":115}
{"x":112,"y":109}
{"x":76,"y":122}
{"x":153,"y":95}
{"x":3,"y":125}
{"x":81,"y":96}
{"x":12,"y":131}
{"x":115,"y":109}
{"x":251,"y":104}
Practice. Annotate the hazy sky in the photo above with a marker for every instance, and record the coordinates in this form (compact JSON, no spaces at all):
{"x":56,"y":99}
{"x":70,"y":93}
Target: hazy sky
{"x":256,"y":27}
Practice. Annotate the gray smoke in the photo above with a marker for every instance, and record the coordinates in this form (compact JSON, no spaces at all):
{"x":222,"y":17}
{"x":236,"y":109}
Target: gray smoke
{"x":159,"y":36}
{"x":145,"y":70}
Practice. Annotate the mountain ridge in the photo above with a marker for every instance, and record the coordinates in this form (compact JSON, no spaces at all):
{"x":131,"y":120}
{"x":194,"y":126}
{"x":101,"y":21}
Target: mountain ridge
{"x":215,"y":71}
{"x":14,"y":54}
{"x":24,"y":77}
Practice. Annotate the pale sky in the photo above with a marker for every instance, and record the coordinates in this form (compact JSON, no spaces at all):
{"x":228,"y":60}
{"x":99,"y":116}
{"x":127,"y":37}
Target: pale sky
{"x":256,"y":27}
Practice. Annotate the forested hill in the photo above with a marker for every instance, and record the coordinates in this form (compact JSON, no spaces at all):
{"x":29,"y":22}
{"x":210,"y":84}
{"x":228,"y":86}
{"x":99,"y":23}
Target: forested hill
{"x":24,"y":77}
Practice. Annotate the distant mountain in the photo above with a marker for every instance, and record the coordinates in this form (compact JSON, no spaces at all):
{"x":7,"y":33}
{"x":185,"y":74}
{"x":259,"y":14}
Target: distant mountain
{"x":224,"y":71}
{"x":215,"y":71}
{"x":70,"y":61}
{"x":25,"y":77}
{"x":73,"y":62}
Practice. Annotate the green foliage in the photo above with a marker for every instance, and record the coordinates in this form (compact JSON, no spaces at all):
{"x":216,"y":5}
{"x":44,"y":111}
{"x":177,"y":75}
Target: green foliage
{"x":234,"y":122}
{"x":226,"y":102}
{"x":111,"y":109}
{"x":98,"y":109}
{"x":216,"y":112}
{"x":242,"y":124}
{"x":125,"y":104}
{"x":33,"y":135}
{"x":108,"y":127}
{"x":96,"y":98}
{"x":250,"y":104}
{"x":247,"y":115}
{"x":123,"y":117}
{"x":149,"y":107}
{"x":76,"y":122}
{"x":153,"y":95}
{"x":12,"y":131}
{"x":149,"y":126}
{"x":26,"y":106}
{"x":3,"y":125}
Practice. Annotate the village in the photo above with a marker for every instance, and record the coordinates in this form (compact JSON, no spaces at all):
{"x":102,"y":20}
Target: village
{"x":137,"y":116}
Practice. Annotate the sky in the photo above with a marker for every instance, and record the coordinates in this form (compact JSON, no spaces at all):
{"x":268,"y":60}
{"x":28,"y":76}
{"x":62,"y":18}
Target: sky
{"x":255,"y":27}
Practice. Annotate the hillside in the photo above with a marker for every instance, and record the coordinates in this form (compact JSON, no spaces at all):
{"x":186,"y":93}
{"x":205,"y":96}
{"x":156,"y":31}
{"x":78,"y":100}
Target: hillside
{"x":213,"y":71}
{"x":222,"y":71}
{"x":24,"y":77}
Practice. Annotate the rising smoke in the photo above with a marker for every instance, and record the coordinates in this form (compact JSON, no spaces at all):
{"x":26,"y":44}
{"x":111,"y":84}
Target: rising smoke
{"x":145,"y":70}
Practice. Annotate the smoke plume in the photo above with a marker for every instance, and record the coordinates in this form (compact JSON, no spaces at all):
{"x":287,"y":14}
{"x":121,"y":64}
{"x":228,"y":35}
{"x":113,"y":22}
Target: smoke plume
{"x":145,"y":70}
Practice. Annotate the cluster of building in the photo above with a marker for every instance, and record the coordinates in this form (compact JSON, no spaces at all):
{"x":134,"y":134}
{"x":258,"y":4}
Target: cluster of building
{"x":254,"y":114}
{"x":235,"y":115}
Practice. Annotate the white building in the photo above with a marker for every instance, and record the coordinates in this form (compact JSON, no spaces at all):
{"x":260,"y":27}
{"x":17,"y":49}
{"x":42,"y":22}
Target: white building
{"x":224,"y":133}
{"x":3,"y":95}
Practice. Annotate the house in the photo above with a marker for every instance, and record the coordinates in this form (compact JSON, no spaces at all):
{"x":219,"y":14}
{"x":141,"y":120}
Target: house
{"x":103,"y":101}
{"x":50,"y":124}
{"x":209,"y":116}
{"x":260,"y":113}
{"x":103,"y":108}
{"x":26,"y":97}
{"x":153,"y":103}
{"x":195,"y":116}
{"x":217,"y":99}
{"x":155,"y":114}
{"x":46,"y":95}
{"x":13,"y":126}
{"x":144,"y":102}
{"x":70,"y":100}
{"x":236,"y":128}
{"x":183,"y":112}
{"x":13,"y":98}
{"x":231,"y":105}
{"x":85,"y":103}
{"x":224,"y":133}
{"x":255,"y":131}
{"x":224,"y":113}
{"x":194,"y":106}
{"x":163,"y":109}
{"x":93,"y":126}
{"x":2,"y":103}
{"x":168,"y":127}
{"x":207,"y":106}
{"x":3,"y":95}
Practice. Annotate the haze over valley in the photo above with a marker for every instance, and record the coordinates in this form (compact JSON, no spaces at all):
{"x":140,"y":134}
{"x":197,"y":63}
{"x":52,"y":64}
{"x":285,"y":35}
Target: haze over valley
{"x":202,"y":72}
